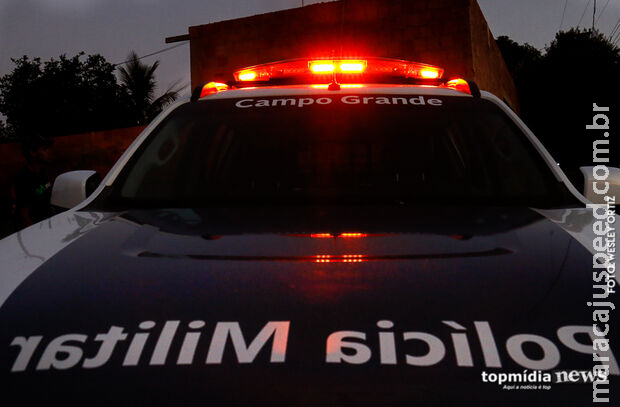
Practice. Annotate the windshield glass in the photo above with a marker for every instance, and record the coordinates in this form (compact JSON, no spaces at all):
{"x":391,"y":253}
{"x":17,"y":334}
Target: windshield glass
{"x":329,"y":150}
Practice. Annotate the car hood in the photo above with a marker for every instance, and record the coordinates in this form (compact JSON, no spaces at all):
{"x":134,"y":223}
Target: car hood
{"x":338,"y":306}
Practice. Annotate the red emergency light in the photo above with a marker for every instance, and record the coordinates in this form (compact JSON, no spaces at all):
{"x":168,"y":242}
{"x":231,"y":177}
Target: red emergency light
{"x":459,"y":84}
{"x":213,"y":87}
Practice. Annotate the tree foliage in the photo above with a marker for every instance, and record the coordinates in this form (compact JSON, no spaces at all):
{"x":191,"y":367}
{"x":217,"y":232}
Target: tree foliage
{"x":138,"y":80}
{"x":5,"y":132}
{"x":77,"y":94}
{"x":558,"y":87}
{"x":518,"y":57}
{"x":61,"y":96}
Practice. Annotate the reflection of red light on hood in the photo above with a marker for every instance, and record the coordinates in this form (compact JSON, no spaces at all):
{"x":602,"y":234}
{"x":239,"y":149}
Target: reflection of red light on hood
{"x":353,"y":235}
{"x":344,"y":235}
{"x":321,"y":235}
{"x":328,"y":283}
{"x":343,"y":258}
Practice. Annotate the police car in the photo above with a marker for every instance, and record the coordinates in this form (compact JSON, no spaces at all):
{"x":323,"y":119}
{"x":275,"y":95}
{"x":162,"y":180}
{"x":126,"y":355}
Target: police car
{"x":334,"y":232}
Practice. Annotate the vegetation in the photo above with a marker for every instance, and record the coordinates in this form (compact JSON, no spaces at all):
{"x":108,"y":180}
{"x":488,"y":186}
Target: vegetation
{"x":138,"y":81}
{"x":74,"y":95}
{"x":558,"y":86}
{"x":4,"y":132}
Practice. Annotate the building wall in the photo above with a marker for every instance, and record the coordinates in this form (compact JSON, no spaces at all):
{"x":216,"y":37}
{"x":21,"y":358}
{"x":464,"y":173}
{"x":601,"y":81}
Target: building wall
{"x":489,"y":69}
{"x":452,"y":34}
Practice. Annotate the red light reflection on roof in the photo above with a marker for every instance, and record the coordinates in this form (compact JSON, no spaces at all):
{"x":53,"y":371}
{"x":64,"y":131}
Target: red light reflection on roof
{"x":342,"y":86}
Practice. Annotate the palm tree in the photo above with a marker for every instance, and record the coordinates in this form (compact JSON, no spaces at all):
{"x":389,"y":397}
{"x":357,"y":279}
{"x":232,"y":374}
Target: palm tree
{"x":138,"y":80}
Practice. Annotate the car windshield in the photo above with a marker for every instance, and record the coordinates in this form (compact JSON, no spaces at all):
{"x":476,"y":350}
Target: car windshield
{"x":441,"y":150}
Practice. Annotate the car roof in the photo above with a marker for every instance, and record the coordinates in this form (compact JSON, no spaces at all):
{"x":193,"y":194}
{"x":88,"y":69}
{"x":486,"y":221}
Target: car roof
{"x":292,"y":90}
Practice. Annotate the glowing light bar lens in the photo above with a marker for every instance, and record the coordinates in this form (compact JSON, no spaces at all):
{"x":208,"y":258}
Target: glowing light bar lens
{"x":429,"y":74}
{"x":322,"y":67}
{"x":352,"y":66}
{"x":423,"y":71}
{"x":247,"y":76}
{"x":339,"y":66}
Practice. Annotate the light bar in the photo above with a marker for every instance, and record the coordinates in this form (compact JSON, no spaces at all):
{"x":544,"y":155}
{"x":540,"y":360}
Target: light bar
{"x":352,"y":70}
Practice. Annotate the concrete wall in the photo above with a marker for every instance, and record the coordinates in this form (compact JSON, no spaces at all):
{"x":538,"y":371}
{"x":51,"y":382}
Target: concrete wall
{"x":450,"y":33}
{"x":489,"y":68}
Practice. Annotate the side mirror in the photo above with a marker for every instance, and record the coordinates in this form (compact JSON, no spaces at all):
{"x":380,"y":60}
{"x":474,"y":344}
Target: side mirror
{"x":72,"y":188}
{"x":613,"y":179}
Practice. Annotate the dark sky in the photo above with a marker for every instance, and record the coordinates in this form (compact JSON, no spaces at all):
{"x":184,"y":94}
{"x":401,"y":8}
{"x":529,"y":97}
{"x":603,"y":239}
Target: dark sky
{"x":48,"y":28}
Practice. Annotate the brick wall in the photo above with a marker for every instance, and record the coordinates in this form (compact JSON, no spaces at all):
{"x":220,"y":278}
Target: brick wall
{"x":450,"y":33}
